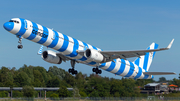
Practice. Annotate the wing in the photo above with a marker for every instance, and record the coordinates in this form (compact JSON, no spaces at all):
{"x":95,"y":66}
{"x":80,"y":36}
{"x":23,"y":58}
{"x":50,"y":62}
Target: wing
{"x":159,"y":73}
{"x":63,"y":57}
{"x":110,"y":55}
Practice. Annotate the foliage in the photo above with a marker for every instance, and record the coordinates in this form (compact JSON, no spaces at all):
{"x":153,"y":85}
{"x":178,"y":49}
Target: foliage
{"x":28,"y":91}
{"x":84,"y":86}
{"x":63,"y":92}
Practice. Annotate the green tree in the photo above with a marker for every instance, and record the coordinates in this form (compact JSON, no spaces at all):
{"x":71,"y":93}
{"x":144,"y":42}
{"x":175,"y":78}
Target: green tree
{"x":60,"y":73}
{"x":117,"y":88}
{"x":70,"y":79}
{"x":162,"y":79}
{"x":55,"y":82}
{"x":38,"y":79}
{"x":97,"y":84}
{"x":28,"y":91}
{"x":28,"y":70}
{"x":22,"y":79}
{"x":63,"y":92}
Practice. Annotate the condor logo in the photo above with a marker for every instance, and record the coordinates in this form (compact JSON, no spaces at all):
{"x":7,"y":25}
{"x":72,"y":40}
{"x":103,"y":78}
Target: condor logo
{"x":39,"y":34}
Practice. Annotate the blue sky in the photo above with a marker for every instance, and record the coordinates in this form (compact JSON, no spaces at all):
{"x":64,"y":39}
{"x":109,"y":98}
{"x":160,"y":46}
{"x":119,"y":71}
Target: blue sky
{"x":107,"y":24}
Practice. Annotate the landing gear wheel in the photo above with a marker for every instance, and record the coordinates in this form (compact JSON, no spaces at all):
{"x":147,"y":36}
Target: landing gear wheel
{"x":20,"y":46}
{"x":72,"y":71}
{"x":96,"y":70}
{"x":99,"y":71}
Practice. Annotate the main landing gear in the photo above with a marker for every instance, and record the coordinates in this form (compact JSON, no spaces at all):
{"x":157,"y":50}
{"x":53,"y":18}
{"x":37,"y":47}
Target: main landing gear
{"x":73,"y":71}
{"x":97,"y":70}
{"x":20,"y":46}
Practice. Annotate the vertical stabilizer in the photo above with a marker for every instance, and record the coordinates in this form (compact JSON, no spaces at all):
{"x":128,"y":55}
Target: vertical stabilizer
{"x":145,"y":61}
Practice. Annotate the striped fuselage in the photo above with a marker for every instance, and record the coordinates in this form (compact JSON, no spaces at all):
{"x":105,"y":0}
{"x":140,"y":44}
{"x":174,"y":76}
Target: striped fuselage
{"x":68,"y":46}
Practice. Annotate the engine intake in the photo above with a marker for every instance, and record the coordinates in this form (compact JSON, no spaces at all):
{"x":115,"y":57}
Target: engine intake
{"x":94,"y":55}
{"x":51,"y":57}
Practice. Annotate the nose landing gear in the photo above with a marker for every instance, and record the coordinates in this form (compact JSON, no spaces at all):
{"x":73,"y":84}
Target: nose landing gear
{"x":20,"y":42}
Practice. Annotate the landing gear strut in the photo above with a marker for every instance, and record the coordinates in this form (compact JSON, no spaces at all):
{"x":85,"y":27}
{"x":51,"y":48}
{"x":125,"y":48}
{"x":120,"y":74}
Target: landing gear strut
{"x":97,"y":70}
{"x":20,"y":46}
{"x":73,"y":71}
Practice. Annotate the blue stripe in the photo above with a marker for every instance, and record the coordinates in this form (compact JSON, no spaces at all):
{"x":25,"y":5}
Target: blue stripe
{"x":22,"y":30}
{"x":137,"y":61}
{"x":155,"y":47}
{"x":131,"y":70}
{"x":146,"y":60}
{"x":33,"y":35}
{"x":94,"y":48}
{"x":139,"y":73}
{"x":43,"y":40}
{"x":146,"y":76}
{"x":55,"y":41}
{"x":91,"y":63}
{"x":75,"y":47}
{"x":65,"y":44}
{"x":122,"y":67}
{"x":85,"y":46}
{"x":112,"y":66}
{"x":83,"y":58}
{"x":102,"y":65}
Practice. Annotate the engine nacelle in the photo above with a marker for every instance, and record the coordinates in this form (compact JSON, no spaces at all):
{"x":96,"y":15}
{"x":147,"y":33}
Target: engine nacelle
{"x":94,"y":55}
{"x":51,"y":57}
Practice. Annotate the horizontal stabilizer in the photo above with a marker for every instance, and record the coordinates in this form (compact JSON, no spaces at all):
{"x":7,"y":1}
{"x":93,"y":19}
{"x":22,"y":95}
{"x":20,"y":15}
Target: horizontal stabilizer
{"x":159,"y":73}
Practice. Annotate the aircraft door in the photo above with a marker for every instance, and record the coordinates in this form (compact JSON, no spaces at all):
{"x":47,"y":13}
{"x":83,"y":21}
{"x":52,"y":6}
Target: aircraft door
{"x":25,"y":25}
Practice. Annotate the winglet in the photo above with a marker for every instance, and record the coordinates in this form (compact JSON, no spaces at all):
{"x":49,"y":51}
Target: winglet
{"x":170,"y":44}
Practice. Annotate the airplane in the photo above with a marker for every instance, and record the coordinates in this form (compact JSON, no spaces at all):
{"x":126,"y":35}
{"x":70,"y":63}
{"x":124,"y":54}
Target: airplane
{"x":76,"y":51}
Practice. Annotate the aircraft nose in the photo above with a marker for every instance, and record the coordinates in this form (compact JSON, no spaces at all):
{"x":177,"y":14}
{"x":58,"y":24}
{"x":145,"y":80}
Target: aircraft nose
{"x":8,"y":26}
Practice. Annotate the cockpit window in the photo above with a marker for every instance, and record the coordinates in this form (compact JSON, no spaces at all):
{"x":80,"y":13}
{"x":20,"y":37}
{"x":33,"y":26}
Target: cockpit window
{"x":14,"y":21}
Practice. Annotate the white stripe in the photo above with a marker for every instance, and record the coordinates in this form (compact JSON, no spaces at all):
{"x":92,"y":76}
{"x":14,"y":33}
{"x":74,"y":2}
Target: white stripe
{"x":90,"y":47}
{"x":60,"y":41}
{"x":150,"y":58}
{"x":79,"y":48}
{"x":107,"y":65}
{"x":29,"y":30}
{"x":70,"y":46}
{"x":17,"y":26}
{"x":49,"y":38}
{"x":126,"y":70}
{"x":142,"y":76}
{"x":136,"y":70}
{"x":141,"y":62}
{"x":40,"y":29}
{"x":117,"y":66}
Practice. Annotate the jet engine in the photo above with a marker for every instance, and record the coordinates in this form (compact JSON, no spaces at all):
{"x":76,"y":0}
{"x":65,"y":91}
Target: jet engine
{"x":94,"y":55}
{"x":51,"y":57}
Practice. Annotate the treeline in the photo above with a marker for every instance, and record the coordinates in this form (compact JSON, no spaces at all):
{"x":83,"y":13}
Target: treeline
{"x":84,"y":86}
